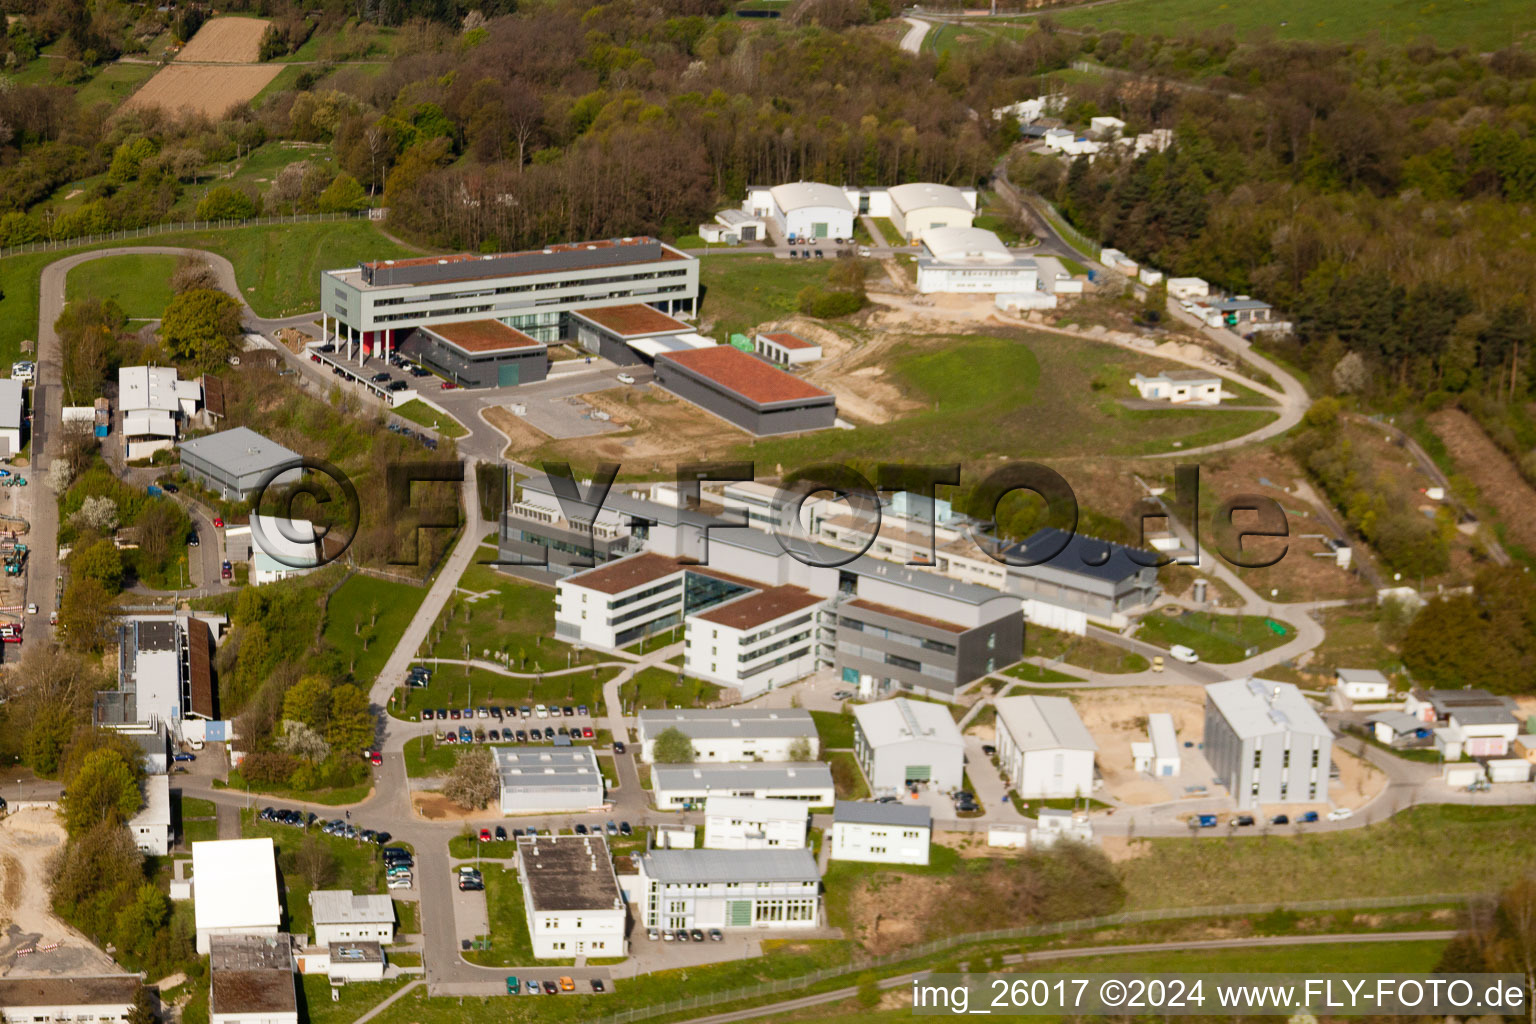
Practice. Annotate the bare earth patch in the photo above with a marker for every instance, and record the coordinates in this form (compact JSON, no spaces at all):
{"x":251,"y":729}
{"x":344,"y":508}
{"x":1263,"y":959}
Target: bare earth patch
{"x":1117,"y":718}
{"x":436,"y":807}
{"x":226,"y":41}
{"x":28,"y":839}
{"x":206,"y":89}
{"x":1497,"y":479}
{"x":521,"y":435}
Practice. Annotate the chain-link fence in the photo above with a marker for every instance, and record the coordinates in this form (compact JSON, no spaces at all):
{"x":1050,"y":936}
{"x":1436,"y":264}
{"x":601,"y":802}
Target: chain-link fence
{"x":173,"y":227}
{"x":1075,"y":238}
{"x":800,"y":983}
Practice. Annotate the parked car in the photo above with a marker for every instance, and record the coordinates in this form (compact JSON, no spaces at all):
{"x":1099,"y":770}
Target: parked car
{"x":1340,"y":813}
{"x":397,"y":385}
{"x":170,"y":488}
{"x":1207,"y":821}
{"x":551,"y":989}
{"x":448,"y":385}
{"x":1243,"y":820}
{"x":667,"y":935}
{"x":715,"y":935}
{"x":379,"y":378}
{"x":183,"y":757}
{"x":682,"y":935}
{"x":513,"y":987}
{"x":597,"y":985}
{"x":227,"y":571}
{"x":581,"y":709}
{"x":618,"y":746}
{"x":1184,"y":654}
{"x":586,"y":732}
{"x":567,"y":985}
{"x":193,"y":541}
{"x":581,"y":829}
{"x":625,"y":830}
{"x":501,"y":833}
{"x":218,"y":522}
{"x":1308,"y":818}
{"x":625,"y":378}
{"x":652,"y":934}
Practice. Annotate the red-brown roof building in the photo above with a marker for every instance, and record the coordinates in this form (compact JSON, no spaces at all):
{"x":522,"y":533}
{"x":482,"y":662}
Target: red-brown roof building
{"x":745,"y":390}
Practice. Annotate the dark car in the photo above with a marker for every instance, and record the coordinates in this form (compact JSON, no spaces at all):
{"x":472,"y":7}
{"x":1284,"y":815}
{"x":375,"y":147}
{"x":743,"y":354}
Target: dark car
{"x":1243,"y":820}
{"x":1280,"y":819}
{"x":184,"y":757}
{"x":570,"y":712}
{"x":494,"y":736}
{"x":715,"y":935}
{"x":226,"y":570}
{"x":581,"y":829}
{"x":618,"y":746}
{"x":398,"y":385}
{"x":551,"y":989}
{"x":682,"y":935}
{"x":522,"y":736}
{"x":496,"y":713}
{"x":427,"y":714}
{"x":549,"y":733}
{"x":501,"y":833}
{"x":442,"y":714}
{"x":379,"y":378}
{"x":192,"y":540}
{"x":454,"y":714}
{"x":597,"y":984}
{"x":1310,"y":816}
{"x":170,"y":488}
{"x":624,"y":829}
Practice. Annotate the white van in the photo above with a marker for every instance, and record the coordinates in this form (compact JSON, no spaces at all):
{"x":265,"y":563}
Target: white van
{"x":1184,"y":654}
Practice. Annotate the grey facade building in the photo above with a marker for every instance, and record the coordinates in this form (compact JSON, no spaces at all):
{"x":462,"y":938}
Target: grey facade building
{"x":615,"y":332}
{"x":548,"y":779}
{"x":233,"y":463}
{"x":1267,"y":742}
{"x":900,"y":649}
{"x":479,"y":353}
{"x":742,"y":389}
{"x":1095,"y":578}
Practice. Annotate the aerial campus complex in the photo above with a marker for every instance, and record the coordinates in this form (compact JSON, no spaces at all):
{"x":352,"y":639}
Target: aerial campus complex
{"x":752,"y":511}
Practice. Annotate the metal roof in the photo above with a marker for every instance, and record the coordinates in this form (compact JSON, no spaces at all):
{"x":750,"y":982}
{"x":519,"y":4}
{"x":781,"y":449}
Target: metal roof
{"x":234,"y":884}
{"x":1361,"y":675}
{"x":240,"y":452}
{"x":864,"y":812}
{"x":1043,"y":723}
{"x":952,"y":245}
{"x":1081,"y":555}
{"x":919,"y":195}
{"x":728,"y":723}
{"x":730,"y":866}
{"x":540,"y":767}
{"x":343,"y":906}
{"x":799,"y":194}
{"x":1246,"y":705}
{"x":757,"y":808}
{"x":11,"y":405}
{"x":899,"y":720}
{"x":756,"y":775}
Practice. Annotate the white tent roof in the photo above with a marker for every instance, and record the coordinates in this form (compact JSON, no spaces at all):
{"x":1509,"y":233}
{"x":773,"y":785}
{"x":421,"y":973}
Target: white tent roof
{"x":920,"y":194}
{"x":951,"y":245}
{"x":234,"y":884}
{"x":800,"y":194}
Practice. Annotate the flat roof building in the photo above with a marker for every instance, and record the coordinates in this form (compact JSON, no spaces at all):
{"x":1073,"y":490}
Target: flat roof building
{"x":478,"y":353}
{"x":787,"y":349}
{"x":1043,"y":748}
{"x":104,"y":998}
{"x":732,"y":734}
{"x":234,"y":890}
{"x":535,"y":779}
{"x":341,"y":915}
{"x":622,"y":334}
{"x":571,"y":897}
{"x":752,"y":823}
{"x":151,"y":827}
{"x":233,"y":463}
{"x":685,"y":786}
{"x":729,"y":889}
{"x":1087,"y":579}
{"x":154,"y":402}
{"x":967,"y":259}
{"x":1179,"y":387}
{"x":901,"y":742}
{"x":757,"y":642}
{"x":1362,"y":684}
{"x":1266,"y":740}
{"x":282,"y":548}
{"x":13,"y":411}
{"x":880,"y":833}
{"x":250,"y":980}
{"x":164,"y":676}
{"x":745,"y":391}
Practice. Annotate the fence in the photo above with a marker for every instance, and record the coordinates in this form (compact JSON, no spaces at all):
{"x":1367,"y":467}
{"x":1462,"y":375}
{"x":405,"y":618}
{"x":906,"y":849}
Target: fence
{"x":801,"y":983}
{"x":174,"y":227}
{"x":1075,"y":238}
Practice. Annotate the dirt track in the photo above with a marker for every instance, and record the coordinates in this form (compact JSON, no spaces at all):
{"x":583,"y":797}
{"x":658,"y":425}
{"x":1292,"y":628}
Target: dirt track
{"x":1497,"y":479}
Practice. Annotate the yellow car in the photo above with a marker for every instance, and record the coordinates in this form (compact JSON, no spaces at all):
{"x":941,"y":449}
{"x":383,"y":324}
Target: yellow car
{"x":1157,"y":663}
{"x":567,"y":985}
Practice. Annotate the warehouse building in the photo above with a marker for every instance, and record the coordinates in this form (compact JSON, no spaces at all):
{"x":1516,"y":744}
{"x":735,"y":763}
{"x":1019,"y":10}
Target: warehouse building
{"x":233,"y":463}
{"x":803,"y":209}
{"x":13,"y":413}
{"x":880,"y":833}
{"x":151,"y":827}
{"x":786,"y":349}
{"x":571,"y":897}
{"x":154,"y":403}
{"x":921,"y":207}
{"x":1043,"y":748}
{"x":686,"y":787}
{"x":478,"y":353}
{"x":103,"y":998}
{"x":250,"y":980}
{"x":622,"y":334}
{"x":341,"y":915}
{"x":1267,"y":741}
{"x":745,"y":391}
{"x":747,"y":823}
{"x":164,"y":679}
{"x":900,"y":743}
{"x":975,"y":260}
{"x":371,"y":308}
{"x":1086,"y":580}
{"x":234,"y":890}
{"x":729,"y":889}
{"x":548,"y":779}
{"x":724,"y":735}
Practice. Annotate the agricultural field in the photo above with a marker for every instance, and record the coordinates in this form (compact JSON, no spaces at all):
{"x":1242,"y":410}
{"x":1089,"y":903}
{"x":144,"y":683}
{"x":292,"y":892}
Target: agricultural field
{"x":205,"y":89}
{"x":113,"y":84}
{"x":1478,"y":24}
{"x":225,"y":41}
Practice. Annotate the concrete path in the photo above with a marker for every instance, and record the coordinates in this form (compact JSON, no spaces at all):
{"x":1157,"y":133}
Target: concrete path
{"x":912,"y":42}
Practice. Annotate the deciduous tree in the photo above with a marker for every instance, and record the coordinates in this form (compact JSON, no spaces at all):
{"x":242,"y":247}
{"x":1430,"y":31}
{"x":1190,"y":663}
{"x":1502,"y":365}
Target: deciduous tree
{"x":201,"y":326}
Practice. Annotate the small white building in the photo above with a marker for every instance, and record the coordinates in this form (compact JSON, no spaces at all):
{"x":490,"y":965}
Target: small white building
{"x":341,"y":915}
{"x":1119,"y":262}
{"x":748,"y":823}
{"x":920,"y":207}
{"x":1165,"y":745}
{"x":732,"y":734}
{"x":251,"y":980}
{"x":1107,"y":128}
{"x":1508,"y":769}
{"x":154,"y":402}
{"x":1188,"y":288}
{"x":972,"y":260}
{"x":571,"y":897}
{"x":1031,"y":110}
{"x":902,"y":742}
{"x":103,"y":998}
{"x":345,"y":962}
{"x":729,"y":889}
{"x":1054,"y":278}
{"x":234,"y":889}
{"x":880,"y":833}
{"x":1179,"y":387}
{"x":282,"y":548}
{"x":1052,"y":826}
{"x":802,"y":209}
{"x":1477,"y":732}
{"x":13,"y":411}
{"x":787,"y":349}
{"x":548,"y":779}
{"x":743,"y":225}
{"x":1149,"y":277}
{"x":685,"y":786}
{"x":1361,"y":684}
{"x":151,"y":827}
{"x":1043,"y":747}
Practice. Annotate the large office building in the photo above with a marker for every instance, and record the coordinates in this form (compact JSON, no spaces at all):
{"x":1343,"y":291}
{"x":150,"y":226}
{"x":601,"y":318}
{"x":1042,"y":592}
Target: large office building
{"x":1268,"y":743}
{"x":1086,"y":580}
{"x":478,"y":353}
{"x":164,"y":679}
{"x":233,"y":463}
{"x":368,"y":310}
{"x":571,"y":897}
{"x":900,"y":743}
{"x":732,"y":734}
{"x":234,"y":890}
{"x":548,"y":779}
{"x":685,"y":786}
{"x":627,"y":335}
{"x":745,"y":390}
{"x":729,"y":889}
{"x":757,"y":642}
{"x":1043,"y":748}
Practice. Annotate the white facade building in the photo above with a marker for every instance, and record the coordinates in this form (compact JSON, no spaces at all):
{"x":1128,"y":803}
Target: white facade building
{"x":803,"y":209}
{"x":1267,"y":741}
{"x":755,"y":643}
{"x":901,"y":742}
{"x":548,"y":779}
{"x":13,"y":410}
{"x":151,"y":827}
{"x":281,"y":548}
{"x":1043,"y":747}
{"x":234,"y":889}
{"x":729,"y":889}
{"x":732,"y":734}
{"x":680,"y":787}
{"x":103,"y":998}
{"x":154,"y":402}
{"x":1361,"y":684}
{"x":1188,"y":288}
{"x":571,"y":897}
{"x":1179,"y":387}
{"x":972,"y":260}
{"x":921,"y":207}
{"x":786,"y":349}
{"x":747,"y":823}
{"x":1166,"y":761}
{"x":341,"y":915}
{"x":880,"y":833}
{"x":1054,"y":278}
{"x":1106,"y":127}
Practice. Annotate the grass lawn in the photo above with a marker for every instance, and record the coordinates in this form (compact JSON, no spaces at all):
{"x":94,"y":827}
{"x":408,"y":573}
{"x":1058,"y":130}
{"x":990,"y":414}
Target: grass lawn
{"x":356,"y":999}
{"x":421,"y":413}
{"x":738,"y":293}
{"x":893,"y":235}
{"x":452,"y":688}
{"x":844,"y":878}
{"x":1219,"y":638}
{"x":356,"y":866}
{"x":1035,"y":674}
{"x":649,"y":643}
{"x":514,"y":617}
{"x":277,"y":266}
{"x":1478,"y":24}
{"x":331,"y":797}
{"x":425,"y":759}
{"x":192,"y":807}
{"x":113,"y":84}
{"x":1402,"y":855}
{"x":511,"y":945}
{"x":366,"y":617}
{"x":1044,"y":396}
{"x":1343,"y":957}
{"x":847,"y":780}
{"x":200,"y":830}
{"x":664,"y":688}
{"x":835,"y":730}
{"x":1354,"y":641}
{"x":1086,"y":652}
{"x":407,"y":918}
{"x":139,"y":284}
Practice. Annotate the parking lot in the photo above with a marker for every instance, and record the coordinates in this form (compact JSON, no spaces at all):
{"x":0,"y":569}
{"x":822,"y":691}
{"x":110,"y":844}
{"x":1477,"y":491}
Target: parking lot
{"x":389,"y":381}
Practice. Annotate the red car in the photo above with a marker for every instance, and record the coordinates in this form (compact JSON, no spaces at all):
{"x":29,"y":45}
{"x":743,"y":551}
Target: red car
{"x":485,"y":835}
{"x":449,"y":385}
{"x":586,"y":732}
{"x":218,"y":522}
{"x":375,"y":758}
{"x":314,"y":358}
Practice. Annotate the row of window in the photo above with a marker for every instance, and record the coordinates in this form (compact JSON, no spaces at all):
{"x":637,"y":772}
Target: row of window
{"x":747,"y":641}
{"x":929,"y":669}
{"x":538,"y":286}
{"x":894,"y":634}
